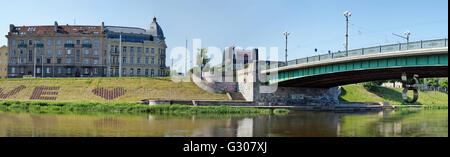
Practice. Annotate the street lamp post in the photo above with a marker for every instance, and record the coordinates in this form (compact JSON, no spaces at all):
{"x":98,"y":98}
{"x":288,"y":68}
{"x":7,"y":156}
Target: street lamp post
{"x":407,"y":33}
{"x":120,"y":54}
{"x":286,"y":33}
{"x":347,"y":14}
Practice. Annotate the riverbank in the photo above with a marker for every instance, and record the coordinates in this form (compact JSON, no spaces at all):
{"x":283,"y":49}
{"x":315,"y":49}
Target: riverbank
{"x":101,"y":90}
{"x":393,"y":96}
{"x":129,"y":108}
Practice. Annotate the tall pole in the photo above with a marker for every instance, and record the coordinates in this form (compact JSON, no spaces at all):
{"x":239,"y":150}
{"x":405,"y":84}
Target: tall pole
{"x":347,"y":14}
{"x":286,"y":34}
{"x":185,"y":62}
{"x":42,"y":65}
{"x":34,"y":62}
{"x":120,"y":54}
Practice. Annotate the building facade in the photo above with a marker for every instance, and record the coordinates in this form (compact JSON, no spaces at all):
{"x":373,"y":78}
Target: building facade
{"x":143,"y":52}
{"x":84,"y":51}
{"x":3,"y":61}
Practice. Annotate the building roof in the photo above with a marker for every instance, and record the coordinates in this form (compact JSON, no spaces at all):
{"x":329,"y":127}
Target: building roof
{"x":155,"y":30}
{"x":118,"y":29}
{"x":65,"y":29}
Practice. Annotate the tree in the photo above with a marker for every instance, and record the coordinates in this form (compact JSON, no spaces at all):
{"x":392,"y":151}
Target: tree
{"x":432,"y":82}
{"x":443,"y":83}
{"x":202,"y":60}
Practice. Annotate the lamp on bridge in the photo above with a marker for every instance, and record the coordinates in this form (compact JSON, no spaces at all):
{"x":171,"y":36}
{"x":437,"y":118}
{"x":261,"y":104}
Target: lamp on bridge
{"x":347,"y":14}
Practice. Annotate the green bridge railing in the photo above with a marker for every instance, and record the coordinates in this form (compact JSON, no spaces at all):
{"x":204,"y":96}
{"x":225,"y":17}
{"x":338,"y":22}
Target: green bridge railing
{"x":373,"y":50}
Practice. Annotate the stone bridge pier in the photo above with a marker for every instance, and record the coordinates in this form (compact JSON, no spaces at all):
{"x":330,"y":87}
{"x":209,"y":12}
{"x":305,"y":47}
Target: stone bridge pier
{"x":255,"y":88}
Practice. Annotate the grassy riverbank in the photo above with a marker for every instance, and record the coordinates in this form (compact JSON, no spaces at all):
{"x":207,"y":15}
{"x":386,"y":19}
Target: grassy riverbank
{"x":127,"y":108}
{"x":82,"y":89}
{"x":357,"y":93}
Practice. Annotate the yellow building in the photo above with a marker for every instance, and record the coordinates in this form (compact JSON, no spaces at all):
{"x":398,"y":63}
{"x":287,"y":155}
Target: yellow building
{"x":3,"y":61}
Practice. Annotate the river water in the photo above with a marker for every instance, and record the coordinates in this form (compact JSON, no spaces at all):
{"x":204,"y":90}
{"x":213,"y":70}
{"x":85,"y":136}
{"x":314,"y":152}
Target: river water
{"x":411,"y":123}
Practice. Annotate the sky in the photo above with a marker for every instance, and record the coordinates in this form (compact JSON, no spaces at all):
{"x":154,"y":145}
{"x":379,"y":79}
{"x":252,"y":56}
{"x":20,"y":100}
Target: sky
{"x":247,"y":23}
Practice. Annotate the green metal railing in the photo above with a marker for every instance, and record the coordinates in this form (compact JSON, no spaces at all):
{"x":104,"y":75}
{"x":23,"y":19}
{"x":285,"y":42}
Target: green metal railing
{"x":374,"y":50}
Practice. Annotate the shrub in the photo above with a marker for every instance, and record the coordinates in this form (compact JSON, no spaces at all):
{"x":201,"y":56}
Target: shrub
{"x":372,"y":86}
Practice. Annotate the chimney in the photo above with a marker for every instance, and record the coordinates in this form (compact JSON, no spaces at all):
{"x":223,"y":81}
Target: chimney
{"x":11,"y":28}
{"x":56,"y":27}
{"x":103,"y":26}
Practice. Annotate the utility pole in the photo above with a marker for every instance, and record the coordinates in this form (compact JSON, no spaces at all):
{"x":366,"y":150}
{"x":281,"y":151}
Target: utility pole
{"x":34,"y":62}
{"x":347,"y":14}
{"x":120,"y":54}
{"x":186,"y":59}
{"x":286,"y":56}
{"x":42,"y":65}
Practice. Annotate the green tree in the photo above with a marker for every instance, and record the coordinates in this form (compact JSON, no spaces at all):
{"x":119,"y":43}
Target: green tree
{"x":432,"y":82}
{"x":202,"y":60}
{"x":443,"y":83}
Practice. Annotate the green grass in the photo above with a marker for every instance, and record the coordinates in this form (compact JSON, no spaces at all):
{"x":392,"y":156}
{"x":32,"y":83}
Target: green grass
{"x":123,"y":108}
{"x":137,"y":89}
{"x":393,"y":96}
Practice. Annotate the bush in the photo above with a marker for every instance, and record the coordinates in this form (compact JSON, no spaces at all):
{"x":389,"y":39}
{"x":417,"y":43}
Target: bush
{"x":443,"y":83}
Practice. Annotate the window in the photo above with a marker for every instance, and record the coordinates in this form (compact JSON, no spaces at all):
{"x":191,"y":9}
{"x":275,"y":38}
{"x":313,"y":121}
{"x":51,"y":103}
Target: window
{"x":69,"y":71}
{"x":86,"y":61}
{"x":124,"y":70}
{"x":131,"y":71}
{"x":47,"y":70}
{"x":95,"y":61}
{"x":112,"y":49}
{"x":58,"y":60}
{"x":49,"y":52}
{"x":131,"y":60}
{"x":87,"y":41}
{"x":30,"y":42}
{"x":38,"y":42}
{"x":77,"y":56}
{"x":69,"y":60}
{"x":30,"y":55}
{"x":138,"y":61}
{"x":95,"y":43}
{"x":68,"y":41}
{"x":86,"y":52}
{"x":86,"y":71}
{"x":13,"y":43}
{"x":59,"y":70}
{"x":131,"y":50}
{"x":153,"y":60}
{"x":153,"y":50}
{"x":13,"y":70}
{"x":139,"y":71}
{"x":49,"y":60}
{"x":152,"y":73}
{"x":124,"y":60}
{"x":124,"y":49}
{"x":146,"y":60}
{"x":147,"y":50}
{"x":139,"y":50}
{"x":78,"y":42}
{"x":59,"y":52}
{"x":59,"y":42}
{"x":96,"y":52}
{"x":95,"y":71}
{"x":49,"y":42}
{"x":69,"y":51}
{"x":146,"y":72}
{"x":22,"y":70}
{"x":38,"y":70}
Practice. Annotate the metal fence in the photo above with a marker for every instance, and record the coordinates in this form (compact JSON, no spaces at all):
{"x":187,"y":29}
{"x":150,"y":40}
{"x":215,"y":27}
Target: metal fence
{"x":374,"y":50}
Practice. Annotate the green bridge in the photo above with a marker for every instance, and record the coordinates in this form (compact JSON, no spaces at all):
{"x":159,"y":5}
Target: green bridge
{"x":423,"y":58}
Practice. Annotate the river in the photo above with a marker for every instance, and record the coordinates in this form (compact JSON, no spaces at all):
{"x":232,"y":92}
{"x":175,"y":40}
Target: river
{"x":410,"y":123}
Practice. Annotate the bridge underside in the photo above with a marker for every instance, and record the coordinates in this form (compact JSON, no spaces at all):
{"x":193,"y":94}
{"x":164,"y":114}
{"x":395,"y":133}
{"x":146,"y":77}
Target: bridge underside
{"x":357,"y":76}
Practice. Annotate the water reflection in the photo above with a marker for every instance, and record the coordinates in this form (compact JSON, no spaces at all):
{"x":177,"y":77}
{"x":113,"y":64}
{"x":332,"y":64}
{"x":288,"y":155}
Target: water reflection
{"x":298,"y":124}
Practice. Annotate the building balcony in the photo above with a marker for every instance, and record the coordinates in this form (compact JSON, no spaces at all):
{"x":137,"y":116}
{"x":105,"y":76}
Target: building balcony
{"x":22,"y":46}
{"x":87,"y":45}
{"x":39,"y":45}
{"x":69,"y":45}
